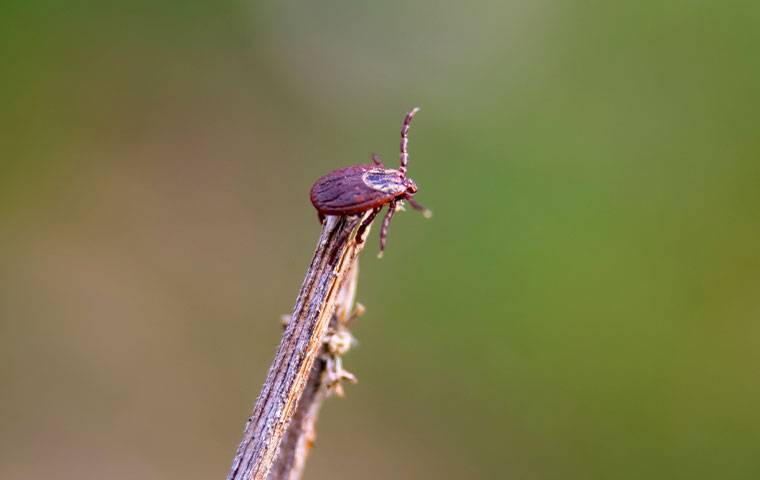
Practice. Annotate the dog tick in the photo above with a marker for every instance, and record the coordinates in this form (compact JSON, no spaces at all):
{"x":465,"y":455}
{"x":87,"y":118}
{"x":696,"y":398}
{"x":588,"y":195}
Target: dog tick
{"x":357,"y":189}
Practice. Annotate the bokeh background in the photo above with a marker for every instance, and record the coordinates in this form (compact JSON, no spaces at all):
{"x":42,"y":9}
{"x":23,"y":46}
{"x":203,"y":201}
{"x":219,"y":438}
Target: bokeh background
{"x":584,"y":303}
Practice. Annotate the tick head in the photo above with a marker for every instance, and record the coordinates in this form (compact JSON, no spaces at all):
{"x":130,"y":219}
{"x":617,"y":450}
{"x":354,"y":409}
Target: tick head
{"x":411,"y":187}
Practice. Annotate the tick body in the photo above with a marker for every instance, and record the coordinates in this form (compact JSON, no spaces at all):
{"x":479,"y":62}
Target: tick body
{"x":360,"y":188}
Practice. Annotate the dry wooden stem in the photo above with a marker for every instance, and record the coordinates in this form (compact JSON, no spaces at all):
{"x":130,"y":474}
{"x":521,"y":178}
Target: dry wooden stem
{"x":302,"y":431}
{"x":299,"y":348}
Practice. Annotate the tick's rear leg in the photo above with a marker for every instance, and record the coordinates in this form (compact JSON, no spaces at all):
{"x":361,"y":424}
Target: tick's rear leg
{"x":365,"y":224}
{"x":376,"y":160}
{"x":425,"y":212}
{"x":384,"y":229}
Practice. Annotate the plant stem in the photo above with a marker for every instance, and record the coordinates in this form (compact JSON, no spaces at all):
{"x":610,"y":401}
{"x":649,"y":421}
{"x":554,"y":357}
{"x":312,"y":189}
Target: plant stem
{"x":294,"y":367}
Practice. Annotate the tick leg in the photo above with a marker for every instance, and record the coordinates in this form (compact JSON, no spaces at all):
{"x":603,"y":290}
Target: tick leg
{"x":376,"y":160}
{"x":405,"y":141}
{"x":384,"y":229}
{"x":425,"y":212}
{"x":365,"y":224}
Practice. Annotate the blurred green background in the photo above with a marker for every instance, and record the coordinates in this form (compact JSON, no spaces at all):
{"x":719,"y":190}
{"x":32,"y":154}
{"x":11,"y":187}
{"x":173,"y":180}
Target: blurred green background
{"x":584,"y":303}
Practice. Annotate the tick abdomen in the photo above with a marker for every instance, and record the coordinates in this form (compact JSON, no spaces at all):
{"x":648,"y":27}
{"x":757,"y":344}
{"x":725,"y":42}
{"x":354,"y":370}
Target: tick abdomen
{"x":345,"y":191}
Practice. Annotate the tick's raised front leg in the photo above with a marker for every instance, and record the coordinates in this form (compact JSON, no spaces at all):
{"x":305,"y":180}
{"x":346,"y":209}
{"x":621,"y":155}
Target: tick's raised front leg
{"x":365,"y":224}
{"x":384,"y":229}
{"x":376,"y":160}
{"x":405,"y":141}
{"x":425,"y":212}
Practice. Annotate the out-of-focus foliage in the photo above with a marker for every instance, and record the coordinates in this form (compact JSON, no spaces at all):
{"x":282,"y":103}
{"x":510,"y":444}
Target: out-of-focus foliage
{"x":584,"y":304}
